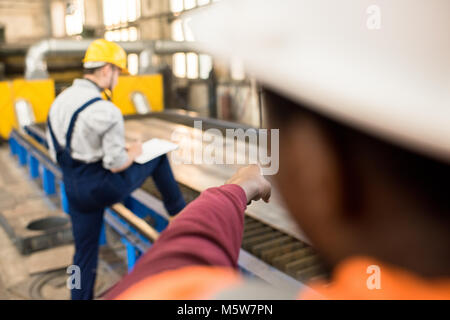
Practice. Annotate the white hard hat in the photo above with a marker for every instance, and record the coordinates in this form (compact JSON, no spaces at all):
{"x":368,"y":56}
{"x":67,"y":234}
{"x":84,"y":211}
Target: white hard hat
{"x":382,"y":66}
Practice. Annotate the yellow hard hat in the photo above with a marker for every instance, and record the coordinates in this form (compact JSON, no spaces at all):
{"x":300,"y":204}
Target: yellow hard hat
{"x":103,"y":51}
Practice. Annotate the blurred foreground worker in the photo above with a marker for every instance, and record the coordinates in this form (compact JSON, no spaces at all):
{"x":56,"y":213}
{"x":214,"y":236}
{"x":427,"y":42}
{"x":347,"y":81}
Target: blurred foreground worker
{"x":364,"y":119}
{"x":86,"y":136}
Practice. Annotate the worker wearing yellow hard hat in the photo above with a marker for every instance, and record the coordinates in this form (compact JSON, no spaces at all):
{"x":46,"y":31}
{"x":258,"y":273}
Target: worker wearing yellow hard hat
{"x":86,"y":137}
{"x":102,"y":52}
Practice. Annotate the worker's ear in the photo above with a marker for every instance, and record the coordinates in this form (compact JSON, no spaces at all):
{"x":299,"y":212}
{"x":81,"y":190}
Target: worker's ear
{"x":111,"y":68}
{"x":106,"y":70}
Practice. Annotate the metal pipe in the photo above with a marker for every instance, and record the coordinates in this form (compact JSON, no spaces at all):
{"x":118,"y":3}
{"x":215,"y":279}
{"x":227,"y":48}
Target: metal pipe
{"x":160,"y":47}
{"x":36,"y":65}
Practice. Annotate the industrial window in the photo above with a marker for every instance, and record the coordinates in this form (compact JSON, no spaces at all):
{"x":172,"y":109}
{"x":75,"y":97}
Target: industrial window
{"x":120,"y":12}
{"x":74,"y":17}
{"x":182,"y":5}
{"x":188,"y":65}
{"x":124,"y":34}
{"x":206,"y":65}
{"x":133,"y":64}
{"x":179,"y":65}
{"x":117,"y":14}
{"x":192,"y":65}
{"x":237,"y":70}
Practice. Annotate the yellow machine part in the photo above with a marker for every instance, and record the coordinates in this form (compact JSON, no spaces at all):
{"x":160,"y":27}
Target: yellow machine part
{"x":7,"y":116}
{"x":150,"y":86}
{"x":39,"y":93}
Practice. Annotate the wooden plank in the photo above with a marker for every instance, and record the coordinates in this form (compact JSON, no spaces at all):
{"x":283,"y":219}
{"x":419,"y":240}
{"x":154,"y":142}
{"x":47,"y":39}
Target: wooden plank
{"x":137,"y":222}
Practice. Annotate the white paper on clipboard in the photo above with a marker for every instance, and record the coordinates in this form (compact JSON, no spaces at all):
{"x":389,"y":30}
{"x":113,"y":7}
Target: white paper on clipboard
{"x":155,"y":148}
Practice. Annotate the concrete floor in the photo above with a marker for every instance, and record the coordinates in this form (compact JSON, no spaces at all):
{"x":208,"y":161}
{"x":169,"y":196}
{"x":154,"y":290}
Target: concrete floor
{"x":42,"y":274}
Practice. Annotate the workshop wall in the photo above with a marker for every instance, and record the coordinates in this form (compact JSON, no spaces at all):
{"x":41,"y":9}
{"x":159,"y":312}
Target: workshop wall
{"x":25,"y":21}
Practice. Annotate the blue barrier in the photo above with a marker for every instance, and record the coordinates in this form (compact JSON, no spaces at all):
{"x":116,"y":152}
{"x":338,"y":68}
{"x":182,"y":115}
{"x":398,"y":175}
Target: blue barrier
{"x":134,"y":242}
{"x":48,"y":181}
{"x":33,"y":166}
{"x":142,"y":211}
{"x":13,"y":146}
{"x":102,"y":240}
{"x":132,"y":255}
{"x":23,"y":154}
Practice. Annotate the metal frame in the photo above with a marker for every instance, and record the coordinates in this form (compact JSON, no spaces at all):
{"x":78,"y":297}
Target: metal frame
{"x":254,"y":266}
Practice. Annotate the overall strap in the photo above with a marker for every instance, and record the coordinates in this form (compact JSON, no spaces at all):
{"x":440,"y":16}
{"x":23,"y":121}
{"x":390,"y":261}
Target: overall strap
{"x":74,"y":119}
{"x":56,"y":144}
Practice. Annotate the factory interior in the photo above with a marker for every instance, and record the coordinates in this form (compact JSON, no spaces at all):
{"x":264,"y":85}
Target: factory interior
{"x":174,"y":88}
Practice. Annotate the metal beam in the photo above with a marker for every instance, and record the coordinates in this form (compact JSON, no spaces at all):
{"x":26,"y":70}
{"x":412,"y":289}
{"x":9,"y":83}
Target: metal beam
{"x":36,"y":65}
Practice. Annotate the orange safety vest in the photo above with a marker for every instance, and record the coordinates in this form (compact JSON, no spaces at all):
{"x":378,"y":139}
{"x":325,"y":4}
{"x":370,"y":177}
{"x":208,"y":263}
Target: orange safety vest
{"x":355,"y":279}
{"x":367,"y":279}
{"x":189,"y":283}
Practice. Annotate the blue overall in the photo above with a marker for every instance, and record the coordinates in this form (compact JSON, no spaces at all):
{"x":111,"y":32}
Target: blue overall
{"x":91,"y":188}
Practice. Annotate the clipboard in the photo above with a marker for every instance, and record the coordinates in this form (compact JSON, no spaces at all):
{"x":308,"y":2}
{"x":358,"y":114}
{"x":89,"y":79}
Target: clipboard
{"x":155,"y":148}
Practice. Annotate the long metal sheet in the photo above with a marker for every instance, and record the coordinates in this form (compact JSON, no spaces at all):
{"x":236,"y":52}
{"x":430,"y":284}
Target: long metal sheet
{"x":203,"y":176}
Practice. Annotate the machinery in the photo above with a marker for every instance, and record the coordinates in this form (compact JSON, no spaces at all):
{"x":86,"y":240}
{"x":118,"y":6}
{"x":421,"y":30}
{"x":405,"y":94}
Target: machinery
{"x":25,"y":102}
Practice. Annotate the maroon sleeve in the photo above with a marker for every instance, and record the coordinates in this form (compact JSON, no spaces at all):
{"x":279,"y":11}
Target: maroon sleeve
{"x":207,"y":232}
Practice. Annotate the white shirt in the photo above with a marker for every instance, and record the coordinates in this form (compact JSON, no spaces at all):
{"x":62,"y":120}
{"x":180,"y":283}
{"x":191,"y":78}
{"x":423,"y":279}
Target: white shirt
{"x":99,"y":133}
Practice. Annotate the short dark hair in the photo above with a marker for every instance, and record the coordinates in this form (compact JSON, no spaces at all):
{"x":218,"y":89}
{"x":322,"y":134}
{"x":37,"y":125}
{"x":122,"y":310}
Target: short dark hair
{"x":91,"y":70}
